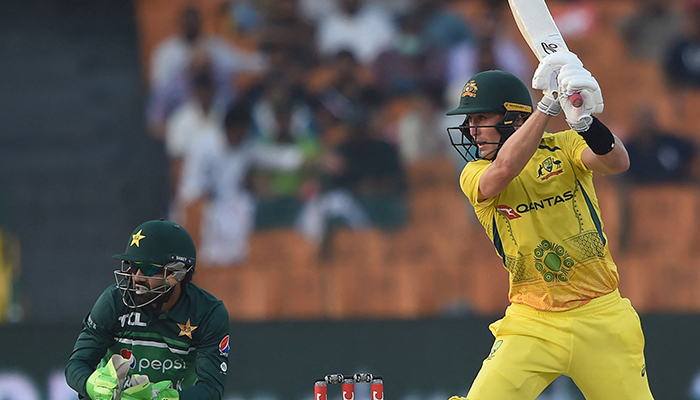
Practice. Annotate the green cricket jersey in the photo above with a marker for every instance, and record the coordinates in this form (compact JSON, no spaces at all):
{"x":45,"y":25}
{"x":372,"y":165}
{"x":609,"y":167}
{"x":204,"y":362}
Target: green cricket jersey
{"x":187,"y":345}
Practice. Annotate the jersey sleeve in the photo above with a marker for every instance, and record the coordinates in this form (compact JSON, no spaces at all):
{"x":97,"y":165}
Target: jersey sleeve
{"x":212,"y":357}
{"x":573,"y":145}
{"x":470,"y":177}
{"x":96,"y":336}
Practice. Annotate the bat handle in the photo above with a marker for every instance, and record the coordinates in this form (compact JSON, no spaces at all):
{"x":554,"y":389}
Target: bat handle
{"x":576,"y":100}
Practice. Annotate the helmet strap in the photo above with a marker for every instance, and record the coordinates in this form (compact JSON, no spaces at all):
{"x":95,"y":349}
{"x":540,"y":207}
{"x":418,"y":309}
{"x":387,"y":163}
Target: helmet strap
{"x":507,"y":125}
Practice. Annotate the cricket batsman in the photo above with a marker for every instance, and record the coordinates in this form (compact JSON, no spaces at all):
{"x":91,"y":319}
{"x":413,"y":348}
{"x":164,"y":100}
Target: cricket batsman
{"x":154,"y":334}
{"x":533,"y":193}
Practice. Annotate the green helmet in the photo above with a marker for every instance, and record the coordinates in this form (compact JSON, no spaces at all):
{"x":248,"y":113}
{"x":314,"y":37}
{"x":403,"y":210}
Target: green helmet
{"x":164,"y":253}
{"x":491,"y":91}
{"x":494,"y":91}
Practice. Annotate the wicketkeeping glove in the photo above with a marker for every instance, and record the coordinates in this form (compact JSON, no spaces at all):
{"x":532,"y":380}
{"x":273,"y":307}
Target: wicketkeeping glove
{"x":545,"y":79}
{"x":576,"y":79}
{"x":106,"y":382}
{"x":140,"y":388}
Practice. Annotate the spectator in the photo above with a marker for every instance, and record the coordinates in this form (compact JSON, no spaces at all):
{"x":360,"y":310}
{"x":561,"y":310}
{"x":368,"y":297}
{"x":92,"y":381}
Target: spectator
{"x":178,"y":89}
{"x":682,"y":62}
{"x":360,"y":26}
{"x":364,"y":184}
{"x":410,"y":78}
{"x":200,"y":117}
{"x":288,"y":143}
{"x":648,"y":31}
{"x":340,"y":88}
{"x":410,"y":65}
{"x":441,"y":28}
{"x":174,"y":54}
{"x":285,"y":28}
{"x":217,"y":170}
{"x":657,"y":156}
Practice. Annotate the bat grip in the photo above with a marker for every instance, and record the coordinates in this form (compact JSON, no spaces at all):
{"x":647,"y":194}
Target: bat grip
{"x":576,"y":100}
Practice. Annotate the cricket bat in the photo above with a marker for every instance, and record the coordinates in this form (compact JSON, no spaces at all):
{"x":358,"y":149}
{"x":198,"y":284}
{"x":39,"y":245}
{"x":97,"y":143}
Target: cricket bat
{"x":539,"y":30}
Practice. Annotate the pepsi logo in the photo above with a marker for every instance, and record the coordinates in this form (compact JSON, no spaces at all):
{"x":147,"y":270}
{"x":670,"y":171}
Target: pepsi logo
{"x":224,"y":346}
{"x":127,"y":354}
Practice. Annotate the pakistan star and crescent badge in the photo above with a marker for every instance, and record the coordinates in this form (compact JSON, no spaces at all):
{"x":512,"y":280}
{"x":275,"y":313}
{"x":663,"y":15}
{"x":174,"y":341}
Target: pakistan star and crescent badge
{"x":186,"y":329}
{"x":136,"y":238}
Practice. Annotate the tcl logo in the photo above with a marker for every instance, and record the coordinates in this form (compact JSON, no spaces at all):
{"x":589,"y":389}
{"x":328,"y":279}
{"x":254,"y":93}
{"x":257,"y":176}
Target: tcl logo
{"x":131,"y":319}
{"x":161,"y":365}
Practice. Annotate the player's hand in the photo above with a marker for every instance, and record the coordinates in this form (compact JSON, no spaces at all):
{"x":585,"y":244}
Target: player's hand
{"x":137,"y":387}
{"x":545,"y":79}
{"x":142,"y":389}
{"x":576,"y":79}
{"x":106,"y":382}
{"x":545,"y":76}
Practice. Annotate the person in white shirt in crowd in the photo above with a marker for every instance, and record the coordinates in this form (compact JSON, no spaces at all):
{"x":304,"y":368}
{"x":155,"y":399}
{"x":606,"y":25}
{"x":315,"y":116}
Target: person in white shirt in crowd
{"x":219,"y":169}
{"x":363,"y":27}
{"x":198,"y":118}
{"x":174,"y":53}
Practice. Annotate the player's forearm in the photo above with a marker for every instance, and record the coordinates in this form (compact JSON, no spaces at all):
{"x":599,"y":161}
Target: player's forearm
{"x":513,"y":156}
{"x":521,"y":145}
{"x":77,"y":373}
{"x":616,"y":161}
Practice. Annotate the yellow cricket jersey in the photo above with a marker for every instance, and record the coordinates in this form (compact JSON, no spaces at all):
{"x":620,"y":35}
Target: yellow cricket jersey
{"x":546,"y":227}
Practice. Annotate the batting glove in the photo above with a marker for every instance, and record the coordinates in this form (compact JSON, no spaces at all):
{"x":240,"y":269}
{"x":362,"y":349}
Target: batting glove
{"x":576,"y":79}
{"x":545,"y":79}
{"x":106,"y":382}
{"x":545,"y":76}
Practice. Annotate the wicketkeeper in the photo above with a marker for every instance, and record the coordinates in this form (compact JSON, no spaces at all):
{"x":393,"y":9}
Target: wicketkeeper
{"x":153,"y":335}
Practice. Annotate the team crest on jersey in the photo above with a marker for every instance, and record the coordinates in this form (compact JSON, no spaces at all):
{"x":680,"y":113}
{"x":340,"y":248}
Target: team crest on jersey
{"x":186,"y":329}
{"x":127,"y":354}
{"x":224,"y":346}
{"x":553,"y":262}
{"x":470,"y":89}
{"x":548,"y":168}
{"x":508,"y":211}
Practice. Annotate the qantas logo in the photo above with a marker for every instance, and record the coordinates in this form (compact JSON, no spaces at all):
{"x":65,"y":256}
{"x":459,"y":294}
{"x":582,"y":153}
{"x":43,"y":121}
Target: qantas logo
{"x":508,"y":212}
{"x":375,"y":396}
{"x":345,"y":397}
{"x":544,"y":203}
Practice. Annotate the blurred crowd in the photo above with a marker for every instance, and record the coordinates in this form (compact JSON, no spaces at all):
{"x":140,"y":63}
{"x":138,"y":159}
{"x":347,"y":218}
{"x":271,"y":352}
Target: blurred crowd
{"x":307,"y":113}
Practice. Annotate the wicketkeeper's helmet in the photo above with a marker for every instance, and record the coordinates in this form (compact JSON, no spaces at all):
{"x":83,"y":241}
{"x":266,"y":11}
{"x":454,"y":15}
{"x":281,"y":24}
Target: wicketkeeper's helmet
{"x":491,"y":91}
{"x":164,"y":252}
